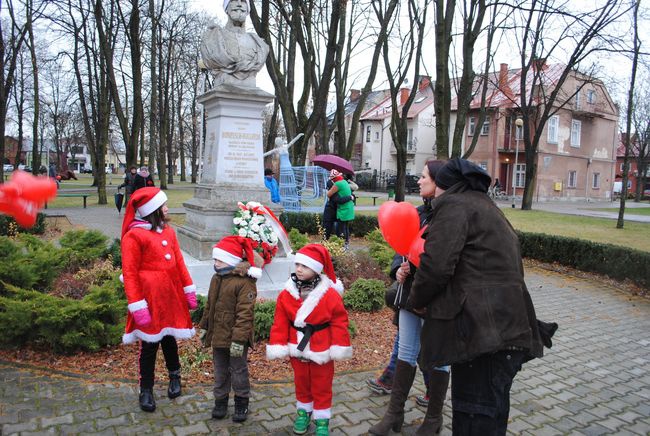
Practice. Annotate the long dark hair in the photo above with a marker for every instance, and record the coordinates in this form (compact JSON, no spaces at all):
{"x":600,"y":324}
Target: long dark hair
{"x":157,"y":219}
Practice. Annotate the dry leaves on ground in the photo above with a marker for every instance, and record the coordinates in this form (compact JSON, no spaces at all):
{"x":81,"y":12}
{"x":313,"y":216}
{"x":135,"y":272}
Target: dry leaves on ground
{"x":372,"y":347}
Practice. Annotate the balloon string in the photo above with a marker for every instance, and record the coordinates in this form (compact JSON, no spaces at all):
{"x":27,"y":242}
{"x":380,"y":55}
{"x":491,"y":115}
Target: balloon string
{"x":400,"y":287}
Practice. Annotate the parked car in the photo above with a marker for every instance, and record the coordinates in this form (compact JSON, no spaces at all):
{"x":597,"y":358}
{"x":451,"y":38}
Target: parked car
{"x":7,"y":168}
{"x":411,"y":183}
{"x":87,"y":171}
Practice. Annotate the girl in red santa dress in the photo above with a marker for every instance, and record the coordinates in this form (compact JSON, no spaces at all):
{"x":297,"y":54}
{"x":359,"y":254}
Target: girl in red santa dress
{"x":158,"y":288}
{"x":311,"y":326}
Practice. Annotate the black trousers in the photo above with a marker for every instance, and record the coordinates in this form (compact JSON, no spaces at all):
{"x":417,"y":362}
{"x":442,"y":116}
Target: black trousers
{"x":480,"y":393}
{"x":343,"y":230}
{"x":148,"y":351}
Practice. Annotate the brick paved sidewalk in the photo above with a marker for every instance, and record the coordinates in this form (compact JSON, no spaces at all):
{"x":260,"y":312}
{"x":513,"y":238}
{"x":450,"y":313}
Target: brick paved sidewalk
{"x":595,"y":380}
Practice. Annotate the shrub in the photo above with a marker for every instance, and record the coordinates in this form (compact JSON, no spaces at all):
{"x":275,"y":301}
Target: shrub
{"x":297,"y":239}
{"x":264,"y":313}
{"x":380,"y":250}
{"x":363,"y":224}
{"x":115,"y":253}
{"x":27,"y":262}
{"x":355,"y":265}
{"x":197,"y":313}
{"x":303,"y":222}
{"x":62,"y":324}
{"x":7,"y":224}
{"x":617,"y":262}
{"x":84,"y":245}
{"x":365,"y":295}
{"x":352,"y":328}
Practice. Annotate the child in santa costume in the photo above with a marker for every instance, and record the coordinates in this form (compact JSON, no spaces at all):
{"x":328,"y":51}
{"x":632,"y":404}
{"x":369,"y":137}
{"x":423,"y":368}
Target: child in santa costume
{"x":228,"y":321}
{"x":158,"y":288}
{"x":311,"y":326}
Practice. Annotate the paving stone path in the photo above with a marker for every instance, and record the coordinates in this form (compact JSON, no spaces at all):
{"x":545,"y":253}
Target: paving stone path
{"x":595,"y":380}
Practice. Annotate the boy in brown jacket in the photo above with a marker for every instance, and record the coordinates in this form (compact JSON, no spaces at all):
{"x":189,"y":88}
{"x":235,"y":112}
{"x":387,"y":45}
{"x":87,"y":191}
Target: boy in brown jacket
{"x":228,"y":321}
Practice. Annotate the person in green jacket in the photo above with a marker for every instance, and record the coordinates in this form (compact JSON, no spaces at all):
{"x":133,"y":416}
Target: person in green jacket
{"x":344,"y":211}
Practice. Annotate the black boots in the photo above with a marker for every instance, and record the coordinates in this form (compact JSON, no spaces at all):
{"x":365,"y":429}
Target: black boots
{"x":241,"y":409}
{"x":147,"y":402}
{"x":394,"y":416}
{"x":220,"y":408}
{"x":432,"y":424}
{"x":174,"y":389}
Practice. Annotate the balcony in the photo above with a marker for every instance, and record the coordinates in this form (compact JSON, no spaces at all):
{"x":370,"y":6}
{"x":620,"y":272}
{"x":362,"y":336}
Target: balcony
{"x":587,"y":110}
{"x":411,"y":148}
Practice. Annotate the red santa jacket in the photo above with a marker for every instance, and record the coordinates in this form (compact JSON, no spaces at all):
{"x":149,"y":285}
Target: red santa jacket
{"x":323,"y":305}
{"x":155,"y":277}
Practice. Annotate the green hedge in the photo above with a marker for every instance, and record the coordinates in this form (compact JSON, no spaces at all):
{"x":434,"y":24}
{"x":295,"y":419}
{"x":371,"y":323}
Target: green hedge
{"x":62,"y":324}
{"x":615,"y":261}
{"x":365,"y":295}
{"x":6,"y":222}
{"x":308,"y":223}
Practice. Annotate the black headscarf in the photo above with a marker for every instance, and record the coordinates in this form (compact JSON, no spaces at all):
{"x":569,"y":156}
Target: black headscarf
{"x":464,"y":173}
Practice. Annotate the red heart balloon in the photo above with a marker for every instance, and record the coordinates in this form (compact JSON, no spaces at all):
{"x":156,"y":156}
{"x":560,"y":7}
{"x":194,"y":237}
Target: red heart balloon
{"x":24,"y":195}
{"x":399,"y":224}
{"x":36,"y":189}
{"x":417,"y":248}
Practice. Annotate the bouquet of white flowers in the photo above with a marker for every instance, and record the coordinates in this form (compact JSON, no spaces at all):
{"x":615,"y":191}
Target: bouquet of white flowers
{"x":251,"y":222}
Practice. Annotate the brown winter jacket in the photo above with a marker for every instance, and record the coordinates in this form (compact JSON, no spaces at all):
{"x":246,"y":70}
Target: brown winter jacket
{"x":228,"y":313}
{"x":471,"y":281}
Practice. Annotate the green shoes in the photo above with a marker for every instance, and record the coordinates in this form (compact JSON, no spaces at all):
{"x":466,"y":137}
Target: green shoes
{"x":322,"y":427}
{"x":301,"y":424}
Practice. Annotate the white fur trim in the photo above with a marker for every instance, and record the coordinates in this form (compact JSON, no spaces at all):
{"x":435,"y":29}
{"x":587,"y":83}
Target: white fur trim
{"x":319,"y":357}
{"x":129,"y":338}
{"x":134,"y":307}
{"x":276,"y":351}
{"x":190,"y":288}
{"x":311,"y":301}
{"x":322,"y":414}
{"x":309,"y":262}
{"x":290,"y":287}
{"x":150,"y":206}
{"x":307,"y":407}
{"x":225,"y":256}
{"x":338,"y":352}
{"x":255,"y":272}
{"x":122,"y":278}
{"x":338,"y":286}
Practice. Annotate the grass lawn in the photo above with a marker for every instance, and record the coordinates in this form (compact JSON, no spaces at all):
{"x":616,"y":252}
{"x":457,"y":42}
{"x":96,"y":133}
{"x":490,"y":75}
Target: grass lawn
{"x":630,"y":210}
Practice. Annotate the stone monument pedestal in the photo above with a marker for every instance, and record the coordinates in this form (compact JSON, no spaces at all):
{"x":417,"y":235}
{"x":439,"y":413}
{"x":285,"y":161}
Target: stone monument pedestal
{"x":233,"y":166}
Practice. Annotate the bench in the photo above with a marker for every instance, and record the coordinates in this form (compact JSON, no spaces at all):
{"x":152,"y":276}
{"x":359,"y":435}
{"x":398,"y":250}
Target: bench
{"x":73,"y":195}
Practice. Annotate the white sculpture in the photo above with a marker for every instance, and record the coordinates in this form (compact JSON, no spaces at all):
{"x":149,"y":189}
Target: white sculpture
{"x":233,"y":55}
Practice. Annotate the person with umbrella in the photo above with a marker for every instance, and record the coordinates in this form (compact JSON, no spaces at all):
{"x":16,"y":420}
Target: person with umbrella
{"x":344,"y":211}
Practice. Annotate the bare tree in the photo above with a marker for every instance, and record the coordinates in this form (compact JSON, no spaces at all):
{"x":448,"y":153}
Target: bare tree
{"x":641,"y":143}
{"x":550,"y":28}
{"x":10,"y":46}
{"x":409,"y":60}
{"x":636,"y":47}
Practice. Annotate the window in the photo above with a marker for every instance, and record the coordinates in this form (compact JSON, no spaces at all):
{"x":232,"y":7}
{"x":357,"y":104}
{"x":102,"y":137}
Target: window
{"x":572,"y":179}
{"x":485,"y":129}
{"x":578,"y":103}
{"x":520,"y":175}
{"x":471,"y":126}
{"x":483,"y":165}
{"x":367,"y":133}
{"x":376,"y":136}
{"x":596,"y":181}
{"x":575,"y":133}
{"x":553,"y":127}
{"x":591,"y":96}
{"x":519,"y":132}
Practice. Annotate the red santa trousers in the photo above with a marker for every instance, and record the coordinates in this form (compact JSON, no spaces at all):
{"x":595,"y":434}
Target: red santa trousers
{"x":314,"y":387}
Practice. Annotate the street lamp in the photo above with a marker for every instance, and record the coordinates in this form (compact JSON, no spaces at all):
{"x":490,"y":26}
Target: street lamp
{"x":519,"y":122}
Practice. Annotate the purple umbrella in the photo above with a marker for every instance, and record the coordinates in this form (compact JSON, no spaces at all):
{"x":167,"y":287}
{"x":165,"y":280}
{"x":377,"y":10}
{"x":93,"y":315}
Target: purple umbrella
{"x":333,"y":162}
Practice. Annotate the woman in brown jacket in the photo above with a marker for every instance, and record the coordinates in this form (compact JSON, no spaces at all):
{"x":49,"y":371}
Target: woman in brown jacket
{"x":228,"y":321}
{"x":479,"y":315}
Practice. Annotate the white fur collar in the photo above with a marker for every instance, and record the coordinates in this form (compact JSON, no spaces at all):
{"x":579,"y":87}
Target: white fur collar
{"x":311,"y":301}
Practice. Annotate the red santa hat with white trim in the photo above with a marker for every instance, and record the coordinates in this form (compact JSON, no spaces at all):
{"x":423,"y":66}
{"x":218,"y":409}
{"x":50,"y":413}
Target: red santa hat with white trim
{"x":144,"y":201}
{"x":317,"y":258}
{"x":233,"y":249}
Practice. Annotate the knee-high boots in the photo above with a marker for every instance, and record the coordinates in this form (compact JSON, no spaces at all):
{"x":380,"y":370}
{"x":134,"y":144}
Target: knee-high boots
{"x":438,"y":383}
{"x":394,"y":416}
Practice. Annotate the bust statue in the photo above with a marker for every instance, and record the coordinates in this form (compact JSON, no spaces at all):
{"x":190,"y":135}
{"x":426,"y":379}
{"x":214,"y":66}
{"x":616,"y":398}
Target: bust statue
{"x":233,"y":55}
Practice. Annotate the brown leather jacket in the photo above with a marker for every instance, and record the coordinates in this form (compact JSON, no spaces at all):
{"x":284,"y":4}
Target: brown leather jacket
{"x":471,"y":281}
{"x":228,"y":314}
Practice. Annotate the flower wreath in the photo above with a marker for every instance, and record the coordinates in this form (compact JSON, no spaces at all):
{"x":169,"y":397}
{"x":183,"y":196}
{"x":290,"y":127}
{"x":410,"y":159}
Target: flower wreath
{"x":254,"y":221}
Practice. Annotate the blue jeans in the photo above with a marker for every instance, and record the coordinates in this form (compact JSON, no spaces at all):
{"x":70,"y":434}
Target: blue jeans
{"x":480,"y":393}
{"x":410,"y":326}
